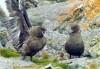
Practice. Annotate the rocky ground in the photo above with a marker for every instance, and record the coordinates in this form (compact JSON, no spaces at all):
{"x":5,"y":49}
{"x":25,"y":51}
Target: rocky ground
{"x":46,"y":16}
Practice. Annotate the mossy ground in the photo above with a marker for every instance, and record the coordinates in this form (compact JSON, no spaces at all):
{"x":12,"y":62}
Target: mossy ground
{"x":40,"y":61}
{"x":5,"y":52}
{"x":52,"y":61}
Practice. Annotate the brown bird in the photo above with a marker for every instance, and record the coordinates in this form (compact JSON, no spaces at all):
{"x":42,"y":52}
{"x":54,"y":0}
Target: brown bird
{"x":75,"y":45}
{"x":35,"y":42}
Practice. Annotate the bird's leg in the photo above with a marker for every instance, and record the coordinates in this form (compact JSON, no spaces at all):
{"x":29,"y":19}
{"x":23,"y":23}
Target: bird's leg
{"x":79,"y":56}
{"x":70,"y":56}
{"x":23,"y":57}
{"x":31,"y":58}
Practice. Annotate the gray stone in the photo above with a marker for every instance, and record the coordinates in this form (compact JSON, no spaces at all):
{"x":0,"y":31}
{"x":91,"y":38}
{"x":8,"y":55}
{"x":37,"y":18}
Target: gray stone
{"x":49,"y":66}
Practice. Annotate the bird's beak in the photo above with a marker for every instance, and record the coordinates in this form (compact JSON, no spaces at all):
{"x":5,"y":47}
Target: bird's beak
{"x":45,"y":33}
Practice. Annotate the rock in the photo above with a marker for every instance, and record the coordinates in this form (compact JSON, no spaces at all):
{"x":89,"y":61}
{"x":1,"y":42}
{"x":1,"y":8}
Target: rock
{"x":3,"y":36}
{"x":49,"y":67}
{"x":10,"y":45}
{"x":87,"y":54}
{"x":96,"y":20}
{"x":10,"y":63}
{"x":4,"y":65}
{"x":84,"y":63}
{"x":51,"y":12}
{"x":92,"y":65}
{"x":74,"y":63}
{"x":55,"y":42}
{"x":41,"y":3}
{"x":1,"y":45}
{"x":52,"y":24}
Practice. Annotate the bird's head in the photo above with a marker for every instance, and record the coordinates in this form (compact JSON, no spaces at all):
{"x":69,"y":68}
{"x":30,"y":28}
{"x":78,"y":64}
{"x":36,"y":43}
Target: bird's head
{"x":75,"y":28}
{"x":37,"y":31}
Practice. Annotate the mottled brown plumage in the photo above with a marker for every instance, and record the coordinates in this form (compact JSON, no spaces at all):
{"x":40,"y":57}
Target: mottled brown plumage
{"x":35,"y":42}
{"x":75,"y":46}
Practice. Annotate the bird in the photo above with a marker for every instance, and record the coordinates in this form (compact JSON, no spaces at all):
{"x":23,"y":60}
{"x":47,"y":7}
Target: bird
{"x":34,"y":43}
{"x":75,"y":45}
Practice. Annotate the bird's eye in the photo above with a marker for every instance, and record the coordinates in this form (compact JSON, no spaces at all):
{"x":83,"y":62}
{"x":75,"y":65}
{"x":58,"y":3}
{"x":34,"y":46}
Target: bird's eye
{"x":43,"y":32}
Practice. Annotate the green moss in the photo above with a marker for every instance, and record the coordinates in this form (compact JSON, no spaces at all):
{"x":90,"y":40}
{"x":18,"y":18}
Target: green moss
{"x":5,"y":52}
{"x":62,"y":65}
{"x":53,"y":61}
{"x":45,"y":55}
{"x":40,"y":61}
